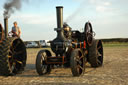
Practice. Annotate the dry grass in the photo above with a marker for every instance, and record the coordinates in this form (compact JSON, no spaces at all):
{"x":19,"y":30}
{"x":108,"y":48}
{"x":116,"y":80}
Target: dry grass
{"x":115,"y":44}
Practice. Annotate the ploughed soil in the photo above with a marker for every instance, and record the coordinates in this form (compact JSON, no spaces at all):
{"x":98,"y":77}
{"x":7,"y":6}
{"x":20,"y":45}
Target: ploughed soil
{"x":113,"y":72}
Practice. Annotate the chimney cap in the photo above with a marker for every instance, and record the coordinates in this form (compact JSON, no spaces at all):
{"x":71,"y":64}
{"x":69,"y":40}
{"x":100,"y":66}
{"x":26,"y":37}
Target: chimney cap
{"x":59,"y":6}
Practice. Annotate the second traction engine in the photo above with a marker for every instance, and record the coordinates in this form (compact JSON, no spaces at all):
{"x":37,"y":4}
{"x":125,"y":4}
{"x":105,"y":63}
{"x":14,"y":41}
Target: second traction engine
{"x":71,"y":48}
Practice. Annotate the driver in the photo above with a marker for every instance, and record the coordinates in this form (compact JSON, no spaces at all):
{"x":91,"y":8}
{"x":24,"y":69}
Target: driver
{"x":16,"y":30}
{"x":67,"y":30}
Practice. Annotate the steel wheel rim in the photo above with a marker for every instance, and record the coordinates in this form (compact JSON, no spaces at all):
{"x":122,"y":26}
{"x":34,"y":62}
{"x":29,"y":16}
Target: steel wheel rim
{"x":99,"y":53}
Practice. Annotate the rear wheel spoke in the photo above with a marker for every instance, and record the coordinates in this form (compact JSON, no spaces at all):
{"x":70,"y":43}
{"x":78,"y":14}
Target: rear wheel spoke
{"x":99,"y":62}
{"x":99,"y":54}
{"x":19,"y":62}
{"x":80,"y":67}
{"x":81,"y":57}
{"x":10,"y":51}
{"x":99,"y":47}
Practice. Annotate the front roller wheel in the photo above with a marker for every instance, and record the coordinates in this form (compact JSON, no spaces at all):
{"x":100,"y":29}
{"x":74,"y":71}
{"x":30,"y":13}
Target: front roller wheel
{"x":77,"y":62}
{"x":96,"y":53}
{"x":41,"y":66}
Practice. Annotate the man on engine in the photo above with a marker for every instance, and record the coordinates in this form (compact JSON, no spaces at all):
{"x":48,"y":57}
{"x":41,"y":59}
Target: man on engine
{"x":67,"y":30}
{"x":16,"y":30}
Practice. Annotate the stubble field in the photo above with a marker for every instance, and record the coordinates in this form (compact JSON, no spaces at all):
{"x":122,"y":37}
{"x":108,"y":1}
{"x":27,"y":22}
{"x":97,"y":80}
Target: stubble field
{"x":113,"y":72}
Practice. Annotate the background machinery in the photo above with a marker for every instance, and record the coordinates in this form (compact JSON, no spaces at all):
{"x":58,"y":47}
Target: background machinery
{"x":12,"y":52}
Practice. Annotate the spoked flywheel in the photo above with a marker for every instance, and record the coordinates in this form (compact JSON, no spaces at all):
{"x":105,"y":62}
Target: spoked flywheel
{"x":96,"y":53}
{"x":12,"y":56}
{"x":88,"y":32}
{"x":77,"y":62}
{"x":41,"y":66}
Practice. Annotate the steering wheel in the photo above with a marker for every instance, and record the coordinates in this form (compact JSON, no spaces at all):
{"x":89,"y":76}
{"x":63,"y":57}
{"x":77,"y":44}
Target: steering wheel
{"x":12,"y":34}
{"x":88,"y":32}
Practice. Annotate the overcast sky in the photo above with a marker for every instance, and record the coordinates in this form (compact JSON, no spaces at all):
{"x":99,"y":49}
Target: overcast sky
{"x":37,"y":18}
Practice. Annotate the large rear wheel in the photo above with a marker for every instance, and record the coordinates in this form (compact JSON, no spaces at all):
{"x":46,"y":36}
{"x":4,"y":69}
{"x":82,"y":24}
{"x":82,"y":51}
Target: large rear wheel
{"x":12,"y":56}
{"x":95,"y":56}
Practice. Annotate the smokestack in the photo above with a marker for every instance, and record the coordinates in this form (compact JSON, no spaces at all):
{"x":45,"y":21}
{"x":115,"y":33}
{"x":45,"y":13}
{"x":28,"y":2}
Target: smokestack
{"x":6,"y":26}
{"x":59,"y":11}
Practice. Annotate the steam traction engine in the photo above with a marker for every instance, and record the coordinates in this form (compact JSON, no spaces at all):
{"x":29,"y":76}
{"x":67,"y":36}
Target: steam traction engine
{"x":72,"y":49}
{"x":12,"y":52}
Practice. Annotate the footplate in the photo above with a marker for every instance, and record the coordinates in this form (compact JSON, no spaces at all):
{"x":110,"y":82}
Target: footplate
{"x":56,"y":60}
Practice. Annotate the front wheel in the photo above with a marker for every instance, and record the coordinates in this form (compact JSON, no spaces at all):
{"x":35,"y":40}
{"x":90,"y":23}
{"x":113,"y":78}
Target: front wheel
{"x":41,"y":66}
{"x":77,"y":62}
